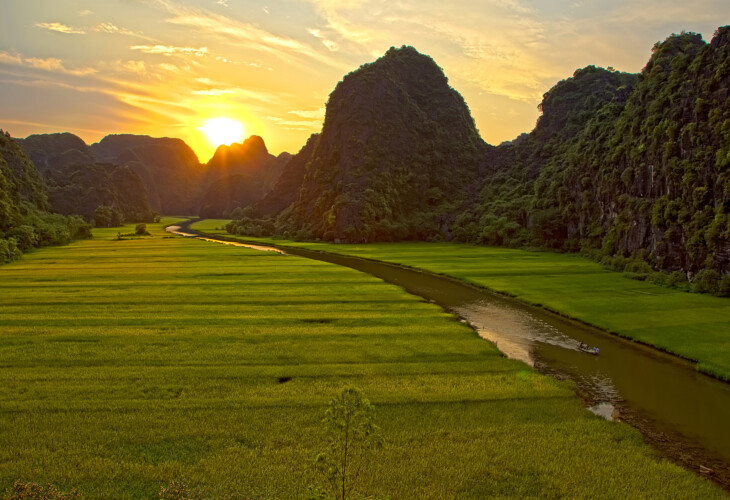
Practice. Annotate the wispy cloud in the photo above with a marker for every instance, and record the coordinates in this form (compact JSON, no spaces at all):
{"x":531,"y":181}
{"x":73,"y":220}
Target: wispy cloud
{"x":61,"y":28}
{"x":247,"y":35}
{"x":312,"y":114}
{"x":50,"y":64}
{"x":331,"y":46}
{"x":168,"y":50}
{"x":296,"y":124}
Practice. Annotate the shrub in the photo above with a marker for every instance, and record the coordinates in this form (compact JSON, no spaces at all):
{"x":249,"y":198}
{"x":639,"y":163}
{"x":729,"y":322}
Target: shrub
{"x":706,"y":281}
{"x":9,"y":250}
{"x":723,"y":289}
{"x":141,"y":229}
{"x":677,"y":279}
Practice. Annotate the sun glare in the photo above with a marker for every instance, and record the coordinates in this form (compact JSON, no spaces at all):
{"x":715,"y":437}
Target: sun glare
{"x":223,"y":131}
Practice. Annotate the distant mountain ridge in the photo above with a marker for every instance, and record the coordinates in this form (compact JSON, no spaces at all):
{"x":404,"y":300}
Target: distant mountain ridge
{"x":136,"y":174}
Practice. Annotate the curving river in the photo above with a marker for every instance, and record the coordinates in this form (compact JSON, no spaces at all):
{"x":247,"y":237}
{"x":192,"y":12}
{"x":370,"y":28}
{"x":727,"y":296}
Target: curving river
{"x":683,"y":413}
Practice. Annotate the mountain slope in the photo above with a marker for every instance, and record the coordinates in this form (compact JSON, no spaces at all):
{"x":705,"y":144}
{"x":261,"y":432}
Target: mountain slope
{"x":78,"y":184}
{"x":645,"y":176}
{"x":397,"y":156}
{"x":24,"y":218}
{"x":169,"y":169}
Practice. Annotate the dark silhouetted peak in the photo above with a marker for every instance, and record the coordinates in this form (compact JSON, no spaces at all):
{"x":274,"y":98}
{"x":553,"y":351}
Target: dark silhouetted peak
{"x":249,"y":154}
{"x":239,"y":175}
{"x":111,"y":146}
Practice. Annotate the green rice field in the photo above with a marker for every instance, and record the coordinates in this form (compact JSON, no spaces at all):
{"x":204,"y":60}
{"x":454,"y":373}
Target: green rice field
{"x":690,"y":325}
{"x":128,"y":364}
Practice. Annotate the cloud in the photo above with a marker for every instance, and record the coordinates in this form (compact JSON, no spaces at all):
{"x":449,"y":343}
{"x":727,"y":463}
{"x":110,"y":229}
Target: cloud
{"x":223,"y":3}
{"x":331,"y":46}
{"x":50,"y":64}
{"x":214,"y":92}
{"x":247,"y":35}
{"x":168,"y":50}
{"x":296,"y":125}
{"x":317,"y":113}
{"x":61,"y":28}
{"x":112,"y":28}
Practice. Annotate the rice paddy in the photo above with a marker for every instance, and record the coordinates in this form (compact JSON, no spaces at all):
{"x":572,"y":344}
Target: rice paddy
{"x":690,"y":325}
{"x":128,"y":364}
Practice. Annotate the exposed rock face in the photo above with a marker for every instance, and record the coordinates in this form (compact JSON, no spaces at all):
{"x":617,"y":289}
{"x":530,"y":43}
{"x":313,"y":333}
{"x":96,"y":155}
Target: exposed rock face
{"x":397,"y":155}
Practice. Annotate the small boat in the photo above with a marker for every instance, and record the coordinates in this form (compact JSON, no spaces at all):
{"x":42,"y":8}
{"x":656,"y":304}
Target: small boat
{"x":588,"y":350}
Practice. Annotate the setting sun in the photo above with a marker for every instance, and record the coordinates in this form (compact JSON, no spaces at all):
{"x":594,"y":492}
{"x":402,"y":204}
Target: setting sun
{"x":223,"y":131}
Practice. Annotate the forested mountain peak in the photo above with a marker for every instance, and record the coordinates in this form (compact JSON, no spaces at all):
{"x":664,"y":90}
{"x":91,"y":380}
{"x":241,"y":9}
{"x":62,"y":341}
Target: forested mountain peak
{"x":398,"y":154}
{"x":55,"y":150}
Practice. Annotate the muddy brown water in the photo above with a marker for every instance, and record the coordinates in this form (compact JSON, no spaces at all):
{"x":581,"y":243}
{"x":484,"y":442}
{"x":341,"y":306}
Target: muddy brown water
{"x":683,"y":413}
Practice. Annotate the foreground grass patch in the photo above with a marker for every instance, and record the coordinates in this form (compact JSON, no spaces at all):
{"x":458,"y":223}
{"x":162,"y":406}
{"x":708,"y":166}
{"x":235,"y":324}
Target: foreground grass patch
{"x":127,"y":364}
{"x":691,"y":325}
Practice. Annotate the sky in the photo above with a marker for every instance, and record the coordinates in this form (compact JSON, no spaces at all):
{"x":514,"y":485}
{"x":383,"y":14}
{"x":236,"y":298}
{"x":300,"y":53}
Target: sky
{"x":165,"y":67}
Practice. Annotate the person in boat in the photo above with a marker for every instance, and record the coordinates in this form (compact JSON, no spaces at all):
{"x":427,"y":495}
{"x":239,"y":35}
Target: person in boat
{"x":595,"y":349}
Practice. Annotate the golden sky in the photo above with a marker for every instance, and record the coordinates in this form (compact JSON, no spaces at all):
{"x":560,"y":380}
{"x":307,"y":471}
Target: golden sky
{"x":164,"y":67}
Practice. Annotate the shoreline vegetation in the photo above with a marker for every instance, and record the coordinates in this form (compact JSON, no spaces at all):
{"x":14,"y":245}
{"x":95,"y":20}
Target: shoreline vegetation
{"x":146,"y":362}
{"x":691,"y":326}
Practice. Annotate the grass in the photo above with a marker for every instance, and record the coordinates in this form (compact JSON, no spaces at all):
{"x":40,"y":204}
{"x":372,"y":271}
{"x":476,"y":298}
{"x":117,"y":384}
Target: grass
{"x":693,"y":326}
{"x":125,"y":365}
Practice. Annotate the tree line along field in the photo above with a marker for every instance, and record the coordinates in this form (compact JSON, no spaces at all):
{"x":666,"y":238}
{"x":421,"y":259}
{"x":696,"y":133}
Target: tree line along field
{"x":127,"y":364}
{"x":693,"y":326}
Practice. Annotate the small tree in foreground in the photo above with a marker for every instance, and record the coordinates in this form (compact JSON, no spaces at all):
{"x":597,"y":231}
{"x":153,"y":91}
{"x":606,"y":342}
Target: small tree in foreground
{"x":351,"y":436}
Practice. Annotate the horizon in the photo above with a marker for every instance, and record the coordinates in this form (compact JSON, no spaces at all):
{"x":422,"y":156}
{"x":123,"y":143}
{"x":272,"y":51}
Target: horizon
{"x":165,"y":69}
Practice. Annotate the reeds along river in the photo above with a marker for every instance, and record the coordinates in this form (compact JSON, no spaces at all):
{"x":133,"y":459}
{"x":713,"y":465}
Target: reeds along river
{"x":684,"y":413}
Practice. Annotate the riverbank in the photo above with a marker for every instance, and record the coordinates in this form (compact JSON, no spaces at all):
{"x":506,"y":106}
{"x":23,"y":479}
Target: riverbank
{"x":691,"y":326}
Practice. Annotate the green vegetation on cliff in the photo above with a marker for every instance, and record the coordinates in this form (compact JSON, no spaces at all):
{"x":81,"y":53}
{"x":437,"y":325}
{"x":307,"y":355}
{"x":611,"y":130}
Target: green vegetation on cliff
{"x":632,"y":169}
{"x":397,"y":156}
{"x":25,"y":221}
{"x":79,"y":185}
{"x":642,"y":171}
